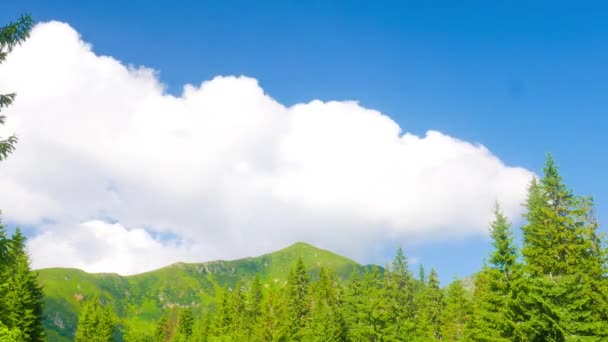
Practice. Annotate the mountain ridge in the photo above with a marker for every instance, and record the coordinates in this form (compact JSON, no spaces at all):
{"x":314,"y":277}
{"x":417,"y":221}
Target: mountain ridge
{"x":141,"y":299}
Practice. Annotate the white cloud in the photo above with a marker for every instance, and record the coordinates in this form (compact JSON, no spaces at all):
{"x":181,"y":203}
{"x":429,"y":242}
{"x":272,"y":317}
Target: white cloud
{"x":99,"y":246}
{"x":224,"y":167}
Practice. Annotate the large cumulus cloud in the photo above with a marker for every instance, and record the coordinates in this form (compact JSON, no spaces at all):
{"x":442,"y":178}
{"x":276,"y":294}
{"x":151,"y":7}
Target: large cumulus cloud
{"x":117,"y":175}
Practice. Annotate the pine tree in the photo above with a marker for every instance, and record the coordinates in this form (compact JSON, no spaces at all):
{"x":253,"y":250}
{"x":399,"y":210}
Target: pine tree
{"x":238,"y":309}
{"x":23,"y":297}
{"x":564,"y":262}
{"x":253,"y":308}
{"x":369,"y":311}
{"x":297,"y":292}
{"x":326,"y":321}
{"x":223,"y":321}
{"x":95,"y":322}
{"x":273,"y":323}
{"x":401,"y":297}
{"x":496,"y":312}
{"x":456,"y":313}
{"x":432,"y":305}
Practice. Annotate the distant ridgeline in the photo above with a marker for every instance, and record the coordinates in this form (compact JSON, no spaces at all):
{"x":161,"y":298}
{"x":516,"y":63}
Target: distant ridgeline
{"x":140,"y":301}
{"x":553,"y":288}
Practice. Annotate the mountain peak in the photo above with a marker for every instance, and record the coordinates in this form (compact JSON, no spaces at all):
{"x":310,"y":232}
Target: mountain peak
{"x":301,"y":244}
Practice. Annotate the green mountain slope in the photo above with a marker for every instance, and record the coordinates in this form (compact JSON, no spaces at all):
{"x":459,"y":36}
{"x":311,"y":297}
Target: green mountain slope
{"x":143,"y":298}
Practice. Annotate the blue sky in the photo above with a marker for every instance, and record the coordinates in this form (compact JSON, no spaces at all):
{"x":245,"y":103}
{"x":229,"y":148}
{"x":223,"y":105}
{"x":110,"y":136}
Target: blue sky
{"x":521,"y":78}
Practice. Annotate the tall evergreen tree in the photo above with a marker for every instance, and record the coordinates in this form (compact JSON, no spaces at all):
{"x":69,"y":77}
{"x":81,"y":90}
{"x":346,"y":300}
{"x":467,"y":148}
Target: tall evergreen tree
{"x":238,"y":309}
{"x":23,"y":297}
{"x":223,"y":320}
{"x":369,"y":311}
{"x":432,"y":305}
{"x":564,"y":263}
{"x":297,"y":292}
{"x":456,"y":313}
{"x":401,"y":291}
{"x":253,"y":308}
{"x":497,"y":287}
{"x":273,"y":323}
{"x":326,"y":321}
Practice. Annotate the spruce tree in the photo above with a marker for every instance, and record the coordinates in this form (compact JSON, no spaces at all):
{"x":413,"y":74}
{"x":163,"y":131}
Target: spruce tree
{"x":253,"y":308}
{"x":456,"y":313}
{"x":401,"y":291}
{"x":326,"y":321}
{"x":95,"y":322}
{"x":496,"y":310}
{"x":238,"y":309}
{"x":432,"y":305}
{"x":564,"y":264}
{"x":23,"y":297}
{"x":297,"y":292}
{"x":223,"y":320}
{"x":273,"y":323}
{"x":369,"y":311}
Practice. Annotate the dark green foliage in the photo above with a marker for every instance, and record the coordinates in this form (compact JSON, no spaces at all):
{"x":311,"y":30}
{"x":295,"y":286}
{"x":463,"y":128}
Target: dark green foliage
{"x":400,"y":290}
{"x":326,"y":320}
{"x":21,"y":298}
{"x":431,"y":310}
{"x":297,"y":300}
{"x":496,"y":307}
{"x":24,"y":296}
{"x":565,"y":264}
{"x":10,"y":36}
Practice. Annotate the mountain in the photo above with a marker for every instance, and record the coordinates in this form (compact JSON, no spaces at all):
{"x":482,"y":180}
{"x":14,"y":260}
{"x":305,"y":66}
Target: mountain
{"x":143,"y":298}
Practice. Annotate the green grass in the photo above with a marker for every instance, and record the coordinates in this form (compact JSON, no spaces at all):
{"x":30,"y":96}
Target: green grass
{"x":140,"y":300}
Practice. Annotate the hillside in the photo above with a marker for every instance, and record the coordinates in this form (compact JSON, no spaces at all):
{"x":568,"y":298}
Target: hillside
{"x":144,"y":297}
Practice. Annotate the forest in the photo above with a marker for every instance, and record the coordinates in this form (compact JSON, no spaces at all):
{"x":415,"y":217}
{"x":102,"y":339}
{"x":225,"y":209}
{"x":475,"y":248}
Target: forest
{"x":550,"y":286}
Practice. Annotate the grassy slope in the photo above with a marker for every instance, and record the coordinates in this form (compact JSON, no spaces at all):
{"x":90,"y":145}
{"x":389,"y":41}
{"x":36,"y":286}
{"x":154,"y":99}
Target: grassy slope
{"x":143,"y":298}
